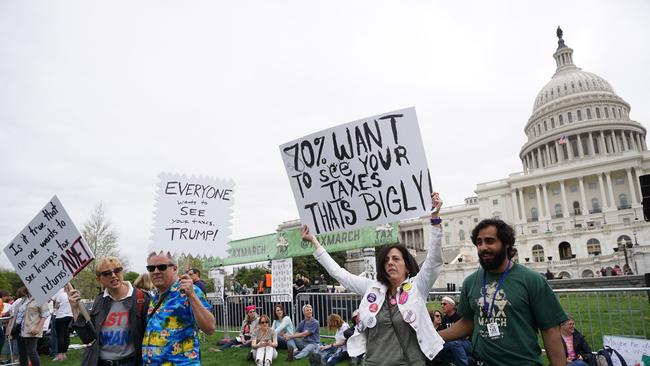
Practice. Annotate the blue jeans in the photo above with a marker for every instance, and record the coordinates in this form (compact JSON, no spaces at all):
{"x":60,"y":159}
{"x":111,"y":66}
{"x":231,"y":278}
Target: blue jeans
{"x":456,"y":352}
{"x":286,"y":344}
{"x":330,"y":357}
{"x":306,"y":350}
{"x":577,"y":363}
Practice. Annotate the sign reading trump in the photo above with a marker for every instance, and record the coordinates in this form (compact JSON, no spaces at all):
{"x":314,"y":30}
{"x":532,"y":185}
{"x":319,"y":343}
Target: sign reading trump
{"x":367,"y":172}
{"x":192,"y":215}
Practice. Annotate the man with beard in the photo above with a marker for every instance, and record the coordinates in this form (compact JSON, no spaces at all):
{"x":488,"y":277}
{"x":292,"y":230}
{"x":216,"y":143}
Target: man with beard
{"x":503,"y":304}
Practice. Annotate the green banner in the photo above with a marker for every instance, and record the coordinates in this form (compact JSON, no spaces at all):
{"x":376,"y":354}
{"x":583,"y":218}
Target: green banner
{"x":288,"y":244}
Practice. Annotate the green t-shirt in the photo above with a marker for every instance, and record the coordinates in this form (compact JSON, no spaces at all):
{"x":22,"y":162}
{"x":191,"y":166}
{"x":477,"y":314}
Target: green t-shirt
{"x":524,"y":304}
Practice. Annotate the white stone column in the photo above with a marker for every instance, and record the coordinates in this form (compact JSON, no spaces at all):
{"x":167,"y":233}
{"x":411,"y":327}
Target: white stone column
{"x":626,"y":146}
{"x":565,"y":205}
{"x":540,"y":213}
{"x":546,"y":206}
{"x":612,"y":138}
{"x":581,"y":151}
{"x":558,"y":153}
{"x":548,"y":155}
{"x":602,"y":192}
{"x":630,"y":181}
{"x":583,"y":197}
{"x":521,"y":204}
{"x":515,"y":208}
{"x":568,"y":148}
{"x":591,"y":144}
{"x":603,"y":144}
{"x":608,"y":177}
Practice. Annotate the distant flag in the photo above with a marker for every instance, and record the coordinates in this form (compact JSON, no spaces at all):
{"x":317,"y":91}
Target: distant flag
{"x":562,"y":140}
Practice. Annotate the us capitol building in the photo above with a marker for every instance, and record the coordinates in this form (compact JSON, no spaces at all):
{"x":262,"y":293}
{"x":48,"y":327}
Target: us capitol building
{"x":576,"y":206}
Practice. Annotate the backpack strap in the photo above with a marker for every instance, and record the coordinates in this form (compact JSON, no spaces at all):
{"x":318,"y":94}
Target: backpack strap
{"x":620,"y":358}
{"x":140,"y":300}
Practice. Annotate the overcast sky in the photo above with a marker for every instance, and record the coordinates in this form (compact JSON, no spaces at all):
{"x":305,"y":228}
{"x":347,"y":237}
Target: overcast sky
{"x":98,"y":97}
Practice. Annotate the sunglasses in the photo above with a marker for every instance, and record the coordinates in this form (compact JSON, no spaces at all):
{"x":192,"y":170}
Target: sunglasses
{"x":437,"y":315}
{"x":110,"y":272}
{"x":161,"y":267}
{"x":264,"y":322}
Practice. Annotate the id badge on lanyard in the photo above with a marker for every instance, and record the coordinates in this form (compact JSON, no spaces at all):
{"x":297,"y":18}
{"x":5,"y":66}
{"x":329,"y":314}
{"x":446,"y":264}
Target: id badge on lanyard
{"x":492,"y":326}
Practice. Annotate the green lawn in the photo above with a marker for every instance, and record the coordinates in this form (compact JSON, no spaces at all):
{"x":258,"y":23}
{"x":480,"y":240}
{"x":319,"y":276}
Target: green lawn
{"x":597,"y":314}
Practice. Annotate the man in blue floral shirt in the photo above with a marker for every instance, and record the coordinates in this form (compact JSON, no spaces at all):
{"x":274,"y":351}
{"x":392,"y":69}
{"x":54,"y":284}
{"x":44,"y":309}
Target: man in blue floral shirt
{"x":175,"y":312}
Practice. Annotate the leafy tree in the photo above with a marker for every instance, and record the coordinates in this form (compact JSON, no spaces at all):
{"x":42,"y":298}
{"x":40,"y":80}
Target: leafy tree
{"x":4,"y":282}
{"x":309,"y":267}
{"x":13,"y":281}
{"x":131,"y":276}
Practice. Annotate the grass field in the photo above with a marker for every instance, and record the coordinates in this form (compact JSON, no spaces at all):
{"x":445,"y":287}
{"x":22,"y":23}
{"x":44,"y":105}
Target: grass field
{"x":596,"y":314}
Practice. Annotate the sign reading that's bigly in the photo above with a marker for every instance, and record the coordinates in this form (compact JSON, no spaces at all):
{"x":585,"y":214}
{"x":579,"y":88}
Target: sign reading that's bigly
{"x":362,"y":173}
{"x":193,"y":215}
{"x":48,"y":252}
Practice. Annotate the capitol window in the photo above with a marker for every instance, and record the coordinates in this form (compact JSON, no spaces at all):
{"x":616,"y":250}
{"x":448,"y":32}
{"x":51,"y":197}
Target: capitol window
{"x":538,"y":253}
{"x":593,"y":246}
{"x":597,"y":112}
{"x":569,"y":117}
{"x":552,"y":122}
{"x":495,"y":202}
{"x":619,"y":180}
{"x":545,"y":126}
{"x":579,"y":115}
{"x":560,"y":119}
{"x":592,"y":185}
{"x":613,"y":112}
{"x":606,"y":112}
{"x":555,"y":191}
{"x":595,"y":205}
{"x":576,"y":208}
{"x":624,"y":240}
{"x":533,"y":214}
{"x":558,"y":210}
{"x":588,"y":113}
{"x":461,"y":235}
{"x":622,"y":201}
{"x":573,"y":188}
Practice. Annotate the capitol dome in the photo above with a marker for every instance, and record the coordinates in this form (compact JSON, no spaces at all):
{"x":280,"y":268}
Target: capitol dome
{"x":576,"y":116}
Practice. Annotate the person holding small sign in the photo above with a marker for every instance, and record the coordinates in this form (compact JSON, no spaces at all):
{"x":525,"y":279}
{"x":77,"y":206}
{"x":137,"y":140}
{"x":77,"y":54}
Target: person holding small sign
{"x":394,"y":327}
{"x":176,"y":313}
{"x":115,"y":326}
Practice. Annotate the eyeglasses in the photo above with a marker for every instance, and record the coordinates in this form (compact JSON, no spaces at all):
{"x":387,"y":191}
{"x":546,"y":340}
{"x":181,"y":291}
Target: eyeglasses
{"x":443,"y":304}
{"x":110,"y":272}
{"x":437,"y":315}
{"x":161,"y":267}
{"x":264,"y":322}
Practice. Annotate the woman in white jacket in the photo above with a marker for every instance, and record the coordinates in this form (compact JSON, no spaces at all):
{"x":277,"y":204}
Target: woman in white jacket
{"x":395,"y":328}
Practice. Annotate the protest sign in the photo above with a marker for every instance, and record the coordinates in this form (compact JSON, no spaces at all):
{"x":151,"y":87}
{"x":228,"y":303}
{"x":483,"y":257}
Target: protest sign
{"x":282,"y":275}
{"x":193,"y":215}
{"x":634,"y":351}
{"x":48,"y":252}
{"x":218,"y":275}
{"x":367,"y":172}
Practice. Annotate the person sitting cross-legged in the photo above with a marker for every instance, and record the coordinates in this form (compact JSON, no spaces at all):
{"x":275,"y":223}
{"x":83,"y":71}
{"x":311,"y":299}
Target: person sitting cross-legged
{"x":264,"y":343}
{"x":337,"y":351}
{"x":309,"y":331}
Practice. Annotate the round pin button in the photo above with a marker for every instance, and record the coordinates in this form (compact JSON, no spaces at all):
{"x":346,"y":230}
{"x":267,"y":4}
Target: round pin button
{"x":409,"y":316}
{"x":374,"y":308}
{"x":403,"y":298}
{"x":371,"y":322}
{"x":371,"y":297}
{"x":407,"y":287}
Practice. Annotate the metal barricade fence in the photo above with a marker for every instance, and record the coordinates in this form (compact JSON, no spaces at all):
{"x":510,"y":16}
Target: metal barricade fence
{"x":231,"y":314}
{"x":597,"y":312}
{"x":9,"y":346}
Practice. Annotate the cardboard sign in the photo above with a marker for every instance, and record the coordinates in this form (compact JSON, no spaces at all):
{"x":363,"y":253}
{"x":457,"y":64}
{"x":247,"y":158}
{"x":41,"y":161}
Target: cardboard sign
{"x":367,"y":172}
{"x":193,"y":215}
{"x":218,"y":275}
{"x":282,"y":274}
{"x":48,"y":252}
{"x":634,"y":351}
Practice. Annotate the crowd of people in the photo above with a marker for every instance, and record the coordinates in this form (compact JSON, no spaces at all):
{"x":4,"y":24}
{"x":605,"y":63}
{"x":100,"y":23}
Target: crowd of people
{"x":157,"y":319}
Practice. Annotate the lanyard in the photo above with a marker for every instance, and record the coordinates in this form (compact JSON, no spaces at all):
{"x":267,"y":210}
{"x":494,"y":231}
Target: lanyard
{"x":494,"y":296}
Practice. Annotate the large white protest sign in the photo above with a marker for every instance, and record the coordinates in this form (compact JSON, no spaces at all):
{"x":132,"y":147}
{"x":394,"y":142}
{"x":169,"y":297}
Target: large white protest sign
{"x":367,"y":172}
{"x":48,"y":252}
{"x":282,"y":276}
{"x":634,"y":351}
{"x":193,"y":215}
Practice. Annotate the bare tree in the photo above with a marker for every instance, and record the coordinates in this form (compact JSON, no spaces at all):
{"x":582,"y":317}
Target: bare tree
{"x":101,"y":236}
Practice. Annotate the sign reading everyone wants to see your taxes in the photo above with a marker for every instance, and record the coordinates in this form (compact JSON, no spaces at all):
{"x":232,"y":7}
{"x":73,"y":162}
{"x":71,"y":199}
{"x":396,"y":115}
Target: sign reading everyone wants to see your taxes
{"x":193,"y":215}
{"x":367,"y":172}
{"x":48,"y":252}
